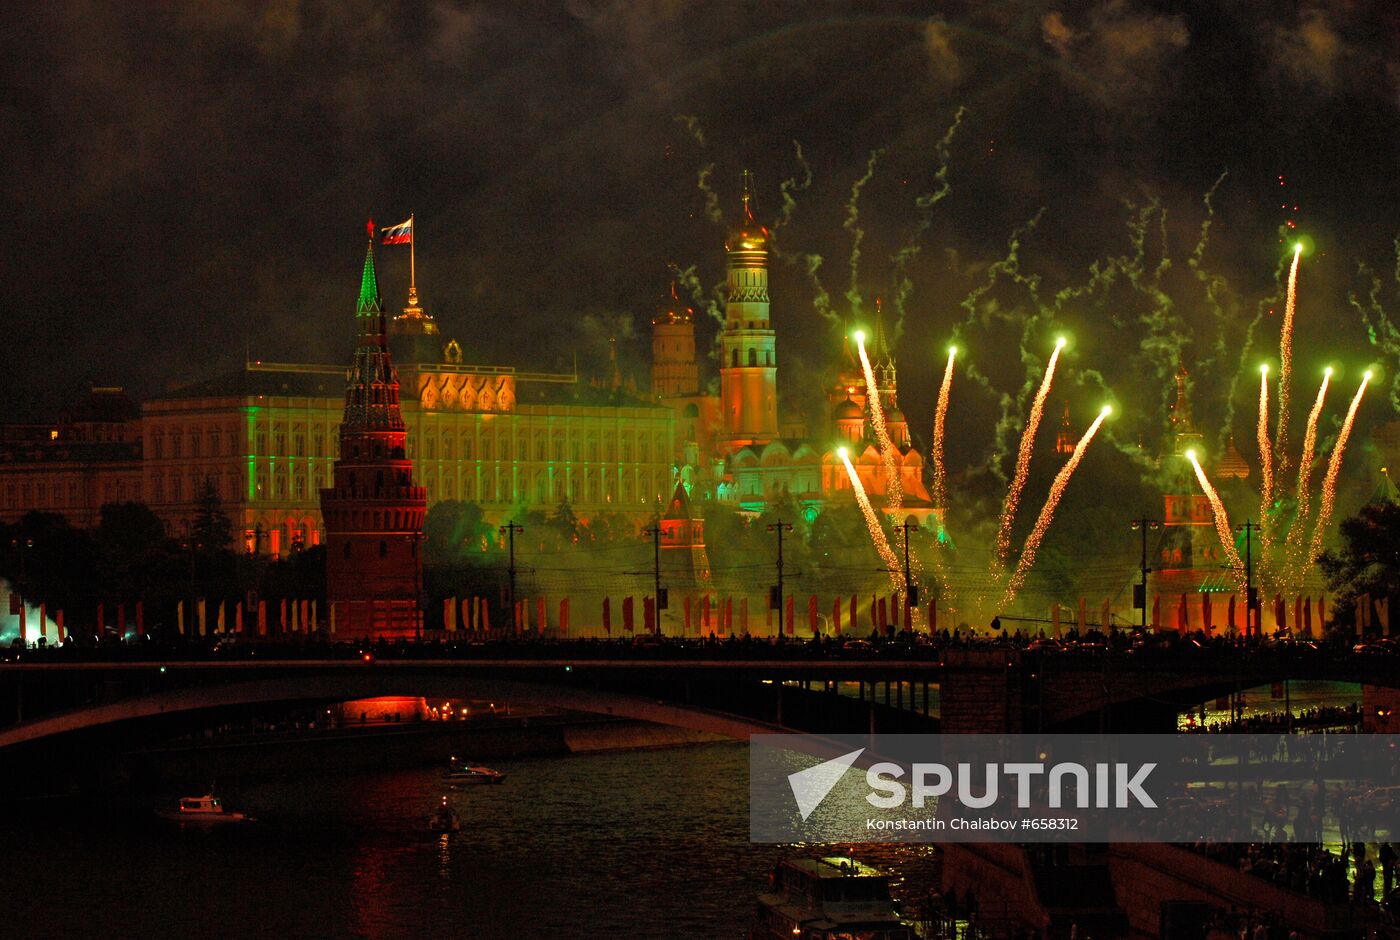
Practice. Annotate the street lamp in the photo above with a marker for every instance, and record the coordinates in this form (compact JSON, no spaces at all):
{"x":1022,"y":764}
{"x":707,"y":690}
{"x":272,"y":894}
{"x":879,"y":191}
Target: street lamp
{"x":776,"y":597}
{"x":1144,"y":525}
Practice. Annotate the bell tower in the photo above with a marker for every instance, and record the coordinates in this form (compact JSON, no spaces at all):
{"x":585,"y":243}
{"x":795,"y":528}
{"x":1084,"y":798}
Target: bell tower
{"x":373,"y":511}
{"x":748,"y":368}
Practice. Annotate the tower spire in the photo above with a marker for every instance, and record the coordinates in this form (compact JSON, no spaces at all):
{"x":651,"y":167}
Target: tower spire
{"x":369,"y":303}
{"x":882,"y":345}
{"x":748,"y":195}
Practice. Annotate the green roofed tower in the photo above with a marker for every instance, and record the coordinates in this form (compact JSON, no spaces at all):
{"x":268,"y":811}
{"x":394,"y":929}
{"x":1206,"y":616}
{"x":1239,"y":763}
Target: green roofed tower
{"x":373,"y":511}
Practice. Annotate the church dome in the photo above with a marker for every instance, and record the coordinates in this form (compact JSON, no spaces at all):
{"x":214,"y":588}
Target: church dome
{"x":894,"y":416}
{"x":748,"y":235}
{"x":847,"y":411}
{"x":673,"y":310}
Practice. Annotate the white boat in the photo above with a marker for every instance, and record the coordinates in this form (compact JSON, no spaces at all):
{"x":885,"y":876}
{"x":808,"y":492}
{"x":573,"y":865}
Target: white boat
{"x":831,"y":898}
{"x":465,"y":772}
{"x":207,"y":810}
{"x":444,"y":819}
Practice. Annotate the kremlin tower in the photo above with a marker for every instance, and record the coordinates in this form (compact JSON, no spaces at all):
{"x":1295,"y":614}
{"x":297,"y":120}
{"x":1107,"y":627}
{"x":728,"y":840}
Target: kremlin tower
{"x":1189,"y":557}
{"x":748,"y":367}
{"x":373,"y":513}
{"x":882,"y":364}
{"x":674,"y":371}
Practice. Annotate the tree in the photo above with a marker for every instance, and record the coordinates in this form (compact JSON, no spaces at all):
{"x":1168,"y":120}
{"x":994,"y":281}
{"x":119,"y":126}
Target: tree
{"x":565,"y":522}
{"x":133,"y":547}
{"x":212,"y":528}
{"x":452,"y":532}
{"x":51,"y":562}
{"x":1368,"y":561}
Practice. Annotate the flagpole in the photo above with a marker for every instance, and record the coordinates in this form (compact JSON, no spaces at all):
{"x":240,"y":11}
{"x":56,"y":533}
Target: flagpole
{"x":412,"y":265}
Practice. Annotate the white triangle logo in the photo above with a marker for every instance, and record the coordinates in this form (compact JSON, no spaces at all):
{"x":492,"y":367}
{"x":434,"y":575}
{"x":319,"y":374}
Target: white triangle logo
{"x":810,"y":786}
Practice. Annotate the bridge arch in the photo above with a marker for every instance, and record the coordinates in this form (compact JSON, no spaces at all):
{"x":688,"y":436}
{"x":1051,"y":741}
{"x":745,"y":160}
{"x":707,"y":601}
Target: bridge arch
{"x":382,"y":682}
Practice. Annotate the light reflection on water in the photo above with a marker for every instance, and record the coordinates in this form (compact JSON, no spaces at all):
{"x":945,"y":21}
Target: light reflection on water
{"x":648,"y":843}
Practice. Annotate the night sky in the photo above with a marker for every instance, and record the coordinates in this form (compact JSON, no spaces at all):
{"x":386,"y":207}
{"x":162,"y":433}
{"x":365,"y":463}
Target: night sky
{"x":187,"y":182}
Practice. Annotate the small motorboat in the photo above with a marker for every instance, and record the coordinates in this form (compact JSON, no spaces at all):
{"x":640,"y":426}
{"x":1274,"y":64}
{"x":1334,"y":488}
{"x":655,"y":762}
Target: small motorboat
{"x":465,"y":772}
{"x":207,"y":810}
{"x":444,"y":819}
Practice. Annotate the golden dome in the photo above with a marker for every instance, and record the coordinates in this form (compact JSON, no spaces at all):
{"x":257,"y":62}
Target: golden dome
{"x":847,"y":411}
{"x":673,"y":310}
{"x":748,"y":235}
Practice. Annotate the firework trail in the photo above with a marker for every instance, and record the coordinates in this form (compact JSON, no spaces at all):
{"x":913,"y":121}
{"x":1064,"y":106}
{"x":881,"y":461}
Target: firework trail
{"x":872,"y":523}
{"x":1266,"y":454}
{"x":1304,"y":496}
{"x":688,"y":279}
{"x":1285,"y":365}
{"x":1023,"y":459}
{"x":1246,"y":348}
{"x":1334,"y":469}
{"x":904,"y":285}
{"x":1214,"y":284}
{"x":1047,"y":512}
{"x":940,"y":477}
{"x":702,"y":180}
{"x":821,"y":300}
{"x":697,"y":133}
{"x":894,"y":490}
{"x":1310,"y":443}
{"x":852,"y":225}
{"x":797,"y":183}
{"x":1009,"y":266}
{"x":1222,"y":521}
{"x":692,"y":125}
{"x":1381,"y":330}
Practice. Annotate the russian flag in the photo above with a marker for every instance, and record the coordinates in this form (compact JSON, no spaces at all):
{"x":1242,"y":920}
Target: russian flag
{"x":401,"y":234}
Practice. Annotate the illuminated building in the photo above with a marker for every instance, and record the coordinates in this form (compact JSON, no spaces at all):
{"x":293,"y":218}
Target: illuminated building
{"x":1065,"y":439}
{"x":266,"y":435}
{"x":1190,"y":558}
{"x":90,"y":456}
{"x":748,"y":372}
{"x":372,"y":510}
{"x":683,"y":539}
{"x":753,"y":460}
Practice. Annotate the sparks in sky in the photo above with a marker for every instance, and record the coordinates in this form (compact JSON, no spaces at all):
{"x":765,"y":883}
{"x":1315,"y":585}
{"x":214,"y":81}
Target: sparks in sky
{"x":872,"y":523}
{"x":940,"y":477}
{"x":1023,"y":459}
{"x":1285,"y":366}
{"x":894,"y":491}
{"x":1334,"y":468}
{"x":1047,"y":512}
{"x":1222,"y":521}
{"x":1296,"y":534}
{"x":1266,"y":454}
